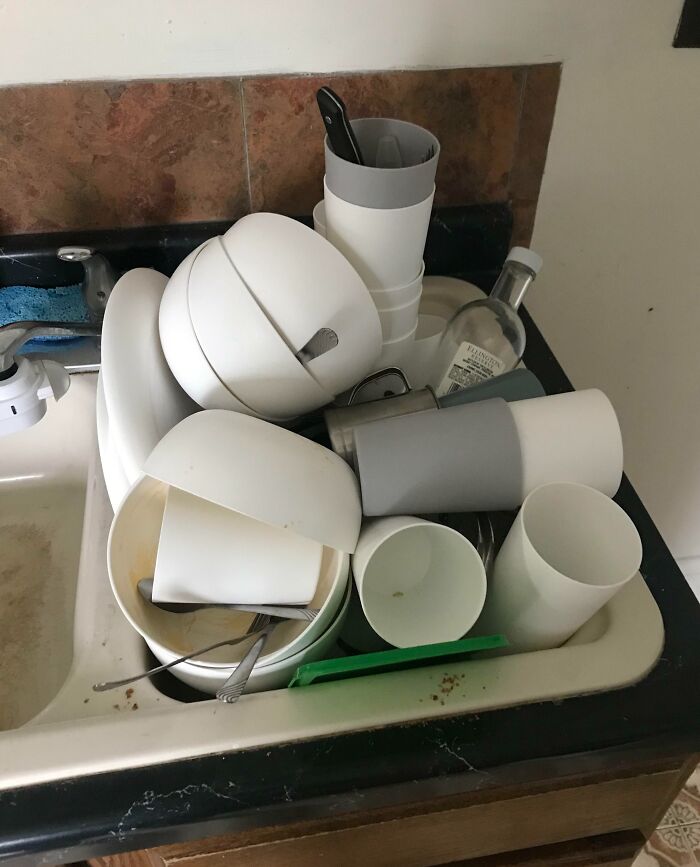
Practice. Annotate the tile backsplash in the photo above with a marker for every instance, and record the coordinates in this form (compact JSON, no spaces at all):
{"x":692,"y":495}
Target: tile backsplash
{"x":99,"y":155}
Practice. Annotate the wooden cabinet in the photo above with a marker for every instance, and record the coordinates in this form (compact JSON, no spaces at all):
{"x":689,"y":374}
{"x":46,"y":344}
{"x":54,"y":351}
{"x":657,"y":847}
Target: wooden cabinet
{"x":599,"y":821}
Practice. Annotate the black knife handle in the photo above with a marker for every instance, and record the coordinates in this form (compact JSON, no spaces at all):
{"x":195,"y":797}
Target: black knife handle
{"x":340,"y":133}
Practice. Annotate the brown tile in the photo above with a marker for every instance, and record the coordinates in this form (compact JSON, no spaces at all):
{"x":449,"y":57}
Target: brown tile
{"x":88,"y":155}
{"x":523,"y":222}
{"x":474,"y":113}
{"x":668,"y":847}
{"x":537,"y":115}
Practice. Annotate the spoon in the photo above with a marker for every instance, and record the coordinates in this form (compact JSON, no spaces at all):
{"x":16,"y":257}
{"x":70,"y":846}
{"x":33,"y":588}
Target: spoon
{"x":285,"y":612}
{"x":258,"y":625}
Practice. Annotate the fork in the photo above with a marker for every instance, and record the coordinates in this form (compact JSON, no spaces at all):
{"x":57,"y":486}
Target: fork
{"x":260,"y":622}
{"x":231,"y":691}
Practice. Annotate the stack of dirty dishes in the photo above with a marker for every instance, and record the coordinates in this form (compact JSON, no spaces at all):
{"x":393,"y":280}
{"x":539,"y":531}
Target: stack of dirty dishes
{"x":377,"y":215}
{"x":232,"y":509}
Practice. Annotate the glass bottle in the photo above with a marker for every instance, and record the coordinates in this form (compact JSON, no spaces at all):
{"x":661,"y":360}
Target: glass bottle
{"x":486,"y":337}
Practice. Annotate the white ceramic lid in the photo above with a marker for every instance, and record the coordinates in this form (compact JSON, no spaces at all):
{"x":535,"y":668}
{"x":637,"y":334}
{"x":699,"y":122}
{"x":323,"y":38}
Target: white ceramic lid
{"x":262,"y":471}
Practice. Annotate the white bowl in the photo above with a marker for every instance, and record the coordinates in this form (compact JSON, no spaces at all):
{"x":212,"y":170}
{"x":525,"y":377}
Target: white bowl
{"x":131,"y":556}
{"x":274,"y":675}
{"x":304,"y":284}
{"x":181,"y":347}
{"x":242,"y":345}
{"x":398,"y":321}
{"x":398,"y":295}
{"x":263,"y":471}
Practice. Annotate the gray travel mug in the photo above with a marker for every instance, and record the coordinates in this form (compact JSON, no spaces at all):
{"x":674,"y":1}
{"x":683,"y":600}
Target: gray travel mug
{"x":460,"y":459}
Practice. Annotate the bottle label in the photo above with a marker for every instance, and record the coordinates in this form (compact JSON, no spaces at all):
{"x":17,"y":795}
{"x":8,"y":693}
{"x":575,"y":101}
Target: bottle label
{"x":471,"y":364}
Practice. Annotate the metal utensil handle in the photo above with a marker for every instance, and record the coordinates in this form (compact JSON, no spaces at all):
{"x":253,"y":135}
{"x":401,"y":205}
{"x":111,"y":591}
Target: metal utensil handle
{"x":394,"y":371}
{"x":114,"y":684}
{"x":281,"y":611}
{"x":287,"y":612}
{"x":231,"y":691}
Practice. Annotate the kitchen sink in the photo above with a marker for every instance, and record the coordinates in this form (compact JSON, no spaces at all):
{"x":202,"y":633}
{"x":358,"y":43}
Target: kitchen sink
{"x":61,"y":631}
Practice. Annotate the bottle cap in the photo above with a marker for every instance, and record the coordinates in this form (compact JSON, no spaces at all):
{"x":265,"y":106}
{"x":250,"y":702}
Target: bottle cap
{"x":526,"y":257}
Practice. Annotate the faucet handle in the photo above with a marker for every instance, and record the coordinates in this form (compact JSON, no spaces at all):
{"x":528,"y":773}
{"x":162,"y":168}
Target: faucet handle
{"x":99,"y":276}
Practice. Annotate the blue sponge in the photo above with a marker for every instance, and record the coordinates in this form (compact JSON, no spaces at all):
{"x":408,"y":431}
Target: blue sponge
{"x":62,"y":304}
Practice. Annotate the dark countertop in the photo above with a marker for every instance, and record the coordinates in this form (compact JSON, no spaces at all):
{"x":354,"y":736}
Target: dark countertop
{"x":120,"y":811}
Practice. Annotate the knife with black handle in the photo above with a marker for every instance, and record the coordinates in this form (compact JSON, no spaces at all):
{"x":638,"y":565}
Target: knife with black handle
{"x":335,"y":119}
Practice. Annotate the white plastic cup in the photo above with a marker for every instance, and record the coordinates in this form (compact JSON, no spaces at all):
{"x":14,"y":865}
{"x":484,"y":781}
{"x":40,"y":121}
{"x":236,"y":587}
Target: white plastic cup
{"x":319,"y":218}
{"x":395,"y":352}
{"x":573,"y":437}
{"x":398,"y":321}
{"x":384,"y":246}
{"x":568,"y":552}
{"x":418,"y":365}
{"x":384,"y":299}
{"x":207,"y":553}
{"x":418,"y":582}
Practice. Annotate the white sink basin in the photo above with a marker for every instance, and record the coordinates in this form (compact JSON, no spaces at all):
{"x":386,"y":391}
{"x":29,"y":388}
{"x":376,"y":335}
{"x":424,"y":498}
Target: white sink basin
{"x":61,"y":631}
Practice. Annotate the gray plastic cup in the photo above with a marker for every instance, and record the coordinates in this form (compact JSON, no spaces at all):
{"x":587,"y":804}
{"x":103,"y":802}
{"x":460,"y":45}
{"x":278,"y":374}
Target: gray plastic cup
{"x":461,"y":459}
{"x":372,"y":187}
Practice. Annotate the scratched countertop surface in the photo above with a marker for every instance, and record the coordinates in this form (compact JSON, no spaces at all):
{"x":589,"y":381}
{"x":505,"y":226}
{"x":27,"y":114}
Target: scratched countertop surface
{"x":136,"y":808}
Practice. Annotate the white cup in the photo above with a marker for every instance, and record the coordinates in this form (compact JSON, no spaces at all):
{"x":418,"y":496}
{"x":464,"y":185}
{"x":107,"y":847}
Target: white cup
{"x":207,"y":553}
{"x":568,"y":552}
{"x":384,"y":246}
{"x":395,"y":352}
{"x":319,"y":218}
{"x":572,"y":437}
{"x":418,"y":582}
{"x":384,"y":299}
{"x":418,"y":365}
{"x":398,"y":321}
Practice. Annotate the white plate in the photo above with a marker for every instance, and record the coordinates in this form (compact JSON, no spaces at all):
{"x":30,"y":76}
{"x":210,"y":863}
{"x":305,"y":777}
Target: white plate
{"x":443,"y":296}
{"x":142,"y":397}
{"x":115,"y":478}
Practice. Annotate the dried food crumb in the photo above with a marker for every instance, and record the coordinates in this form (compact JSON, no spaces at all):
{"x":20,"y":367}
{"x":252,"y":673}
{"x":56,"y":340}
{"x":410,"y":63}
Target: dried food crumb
{"x":129,"y":692}
{"x":116,"y":706}
{"x":397,"y":595}
{"x":434,"y":697}
{"x":135,"y":706}
{"x":86,"y":700}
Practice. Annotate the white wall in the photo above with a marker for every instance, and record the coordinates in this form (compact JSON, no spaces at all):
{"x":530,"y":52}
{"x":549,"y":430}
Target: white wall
{"x":617,"y":222}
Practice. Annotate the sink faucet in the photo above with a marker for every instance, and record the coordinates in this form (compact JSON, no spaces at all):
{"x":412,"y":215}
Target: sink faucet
{"x":25,"y":384}
{"x":99,"y":277}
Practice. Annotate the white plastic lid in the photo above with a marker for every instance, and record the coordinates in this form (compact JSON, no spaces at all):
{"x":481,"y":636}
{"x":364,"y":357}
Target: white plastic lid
{"x":526,"y":257}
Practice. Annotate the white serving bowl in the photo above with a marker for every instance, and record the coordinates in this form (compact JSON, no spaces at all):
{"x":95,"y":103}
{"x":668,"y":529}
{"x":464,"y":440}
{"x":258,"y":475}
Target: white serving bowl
{"x":263,"y":471}
{"x":303,"y":284}
{"x":181,"y":347}
{"x":131,"y":556}
{"x":242,"y":345}
{"x":275,"y":675}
